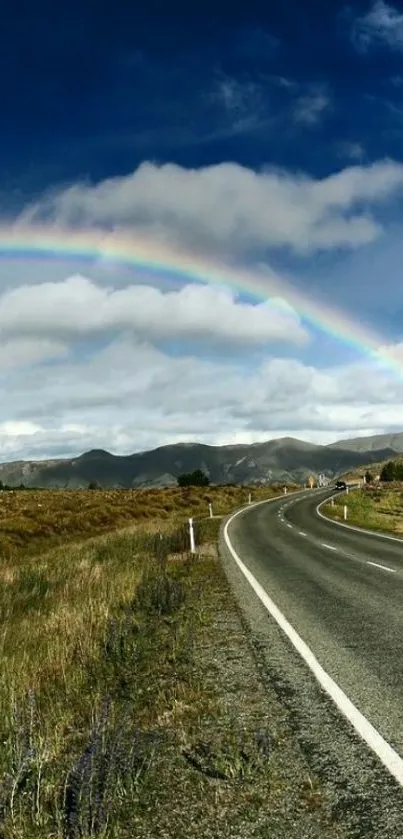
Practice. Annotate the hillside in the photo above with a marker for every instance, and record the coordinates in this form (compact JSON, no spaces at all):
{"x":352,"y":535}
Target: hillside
{"x":285,"y":459}
{"x":377,"y":442}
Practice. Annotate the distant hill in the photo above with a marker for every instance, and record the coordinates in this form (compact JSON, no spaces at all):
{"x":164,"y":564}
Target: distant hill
{"x":378,"y":442}
{"x":285,"y":459}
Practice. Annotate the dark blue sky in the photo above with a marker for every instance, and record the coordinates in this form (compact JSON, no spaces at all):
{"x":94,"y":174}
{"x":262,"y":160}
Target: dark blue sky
{"x":91,"y":89}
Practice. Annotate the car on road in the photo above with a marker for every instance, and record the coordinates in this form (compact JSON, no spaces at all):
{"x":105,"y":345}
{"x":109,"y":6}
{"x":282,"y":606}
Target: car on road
{"x":341,"y":485}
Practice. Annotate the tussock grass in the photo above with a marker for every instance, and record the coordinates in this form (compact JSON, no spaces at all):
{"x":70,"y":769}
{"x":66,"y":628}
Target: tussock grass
{"x":96,"y":645}
{"x":88,"y":636}
{"x":36,"y":520}
{"x":372,"y":508}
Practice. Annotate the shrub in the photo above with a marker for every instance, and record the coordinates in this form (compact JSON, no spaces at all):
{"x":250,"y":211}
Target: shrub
{"x":392,"y":471}
{"x":196,"y":478}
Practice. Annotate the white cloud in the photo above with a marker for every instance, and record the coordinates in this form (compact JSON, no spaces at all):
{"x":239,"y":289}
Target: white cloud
{"x":383,"y":24}
{"x":81,"y":359}
{"x":79,"y":307}
{"x":309,"y":109}
{"x":284,"y":82}
{"x":19,"y":351}
{"x":132,"y":396}
{"x":230,"y":208}
{"x":355,"y":151}
{"x":237,"y":97}
{"x":241,"y":105}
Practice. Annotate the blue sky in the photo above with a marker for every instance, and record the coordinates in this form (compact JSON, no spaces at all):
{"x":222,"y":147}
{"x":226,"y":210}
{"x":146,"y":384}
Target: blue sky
{"x":261,"y":134}
{"x":97,"y":88}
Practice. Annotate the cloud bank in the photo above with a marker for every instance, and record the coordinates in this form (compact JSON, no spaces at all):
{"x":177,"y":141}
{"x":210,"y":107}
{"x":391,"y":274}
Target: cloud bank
{"x":116,"y":362}
{"x":230,"y":208}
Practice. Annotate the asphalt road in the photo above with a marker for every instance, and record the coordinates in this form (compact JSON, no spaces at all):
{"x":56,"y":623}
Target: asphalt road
{"x":342,"y":592}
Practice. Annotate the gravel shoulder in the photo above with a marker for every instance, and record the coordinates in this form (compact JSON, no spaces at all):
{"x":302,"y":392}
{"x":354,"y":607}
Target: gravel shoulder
{"x":231,"y":766}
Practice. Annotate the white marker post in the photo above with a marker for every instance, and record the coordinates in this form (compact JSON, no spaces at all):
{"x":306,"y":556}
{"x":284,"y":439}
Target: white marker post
{"x":345,"y":512}
{"x":250,"y":498}
{"x":210,"y":509}
{"x":192,"y":537}
{"x":285,"y":490}
{"x":332,"y":502}
{"x":347,"y":490}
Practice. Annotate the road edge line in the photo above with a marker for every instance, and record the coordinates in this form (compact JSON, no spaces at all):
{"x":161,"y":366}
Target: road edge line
{"x":385,"y":753}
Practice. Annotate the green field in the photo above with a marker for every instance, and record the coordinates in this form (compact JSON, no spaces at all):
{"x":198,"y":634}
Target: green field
{"x":372,"y":508}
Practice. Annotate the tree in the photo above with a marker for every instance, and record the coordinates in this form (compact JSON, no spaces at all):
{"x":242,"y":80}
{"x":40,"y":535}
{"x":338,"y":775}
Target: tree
{"x":398,"y":470}
{"x":93,"y":485}
{"x":194,"y":479}
{"x":388,"y":471}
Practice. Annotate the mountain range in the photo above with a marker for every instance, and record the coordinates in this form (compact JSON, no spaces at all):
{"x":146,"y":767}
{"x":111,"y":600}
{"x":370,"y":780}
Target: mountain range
{"x":285,"y":459}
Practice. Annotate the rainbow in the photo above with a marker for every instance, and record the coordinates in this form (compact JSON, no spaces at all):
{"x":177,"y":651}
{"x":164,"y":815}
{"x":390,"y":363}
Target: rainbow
{"x":129,"y":251}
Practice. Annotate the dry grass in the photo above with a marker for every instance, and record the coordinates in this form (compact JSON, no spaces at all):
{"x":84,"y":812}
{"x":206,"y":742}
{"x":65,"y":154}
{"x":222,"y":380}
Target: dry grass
{"x":81,"y":626}
{"x":373,"y":508}
{"x":36,"y":520}
{"x":95,"y":643}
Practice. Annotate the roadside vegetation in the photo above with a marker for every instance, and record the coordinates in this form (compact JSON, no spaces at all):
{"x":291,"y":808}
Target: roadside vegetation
{"x":93,"y":638}
{"x":33,"y":521}
{"x":372,"y":507}
{"x":111,"y":718}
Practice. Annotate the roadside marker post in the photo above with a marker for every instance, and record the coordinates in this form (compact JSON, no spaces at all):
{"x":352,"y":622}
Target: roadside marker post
{"x":192,"y":537}
{"x":250,"y":498}
{"x":285,"y":490}
{"x":345,"y":512}
{"x":210,"y":509}
{"x":332,"y":502}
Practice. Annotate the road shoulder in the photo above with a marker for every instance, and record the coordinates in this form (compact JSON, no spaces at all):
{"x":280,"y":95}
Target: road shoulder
{"x":372,"y":511}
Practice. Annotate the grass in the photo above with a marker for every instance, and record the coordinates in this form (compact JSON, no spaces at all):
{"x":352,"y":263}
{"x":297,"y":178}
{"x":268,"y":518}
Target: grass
{"x":98,"y":674}
{"x":372,"y":508}
{"x":36,"y":520}
{"x":90,"y":641}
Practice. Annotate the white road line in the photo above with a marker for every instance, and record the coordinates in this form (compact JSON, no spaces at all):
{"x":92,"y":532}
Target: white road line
{"x":289,"y":525}
{"x":331,"y":547}
{"x":386,"y":754}
{"x":384,"y":567}
{"x":301,"y":533}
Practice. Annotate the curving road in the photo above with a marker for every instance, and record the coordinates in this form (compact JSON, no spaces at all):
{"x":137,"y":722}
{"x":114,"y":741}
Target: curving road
{"x":341,"y":591}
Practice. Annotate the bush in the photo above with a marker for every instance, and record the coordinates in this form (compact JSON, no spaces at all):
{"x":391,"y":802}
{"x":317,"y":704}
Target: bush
{"x":195,"y":479}
{"x":392,"y":471}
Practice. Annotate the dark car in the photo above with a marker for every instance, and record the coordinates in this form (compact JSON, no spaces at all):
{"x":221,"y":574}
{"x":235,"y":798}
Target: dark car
{"x":341,"y":485}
